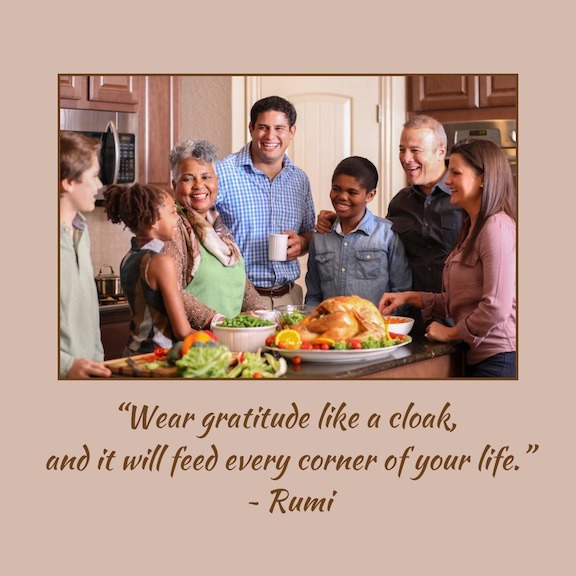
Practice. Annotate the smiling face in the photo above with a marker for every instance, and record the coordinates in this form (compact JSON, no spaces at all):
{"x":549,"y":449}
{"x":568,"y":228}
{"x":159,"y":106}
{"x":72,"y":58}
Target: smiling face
{"x":271,"y":135}
{"x":349,"y":198}
{"x":466,"y":185}
{"x":422,"y":158}
{"x":196,"y":186}
{"x":167,"y":224}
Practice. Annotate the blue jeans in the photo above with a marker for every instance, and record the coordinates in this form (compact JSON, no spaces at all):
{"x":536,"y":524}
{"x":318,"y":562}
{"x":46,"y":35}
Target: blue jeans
{"x":501,"y":365}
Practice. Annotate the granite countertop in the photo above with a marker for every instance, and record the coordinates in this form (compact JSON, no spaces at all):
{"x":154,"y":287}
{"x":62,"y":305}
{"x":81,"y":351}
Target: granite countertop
{"x":418,"y":350}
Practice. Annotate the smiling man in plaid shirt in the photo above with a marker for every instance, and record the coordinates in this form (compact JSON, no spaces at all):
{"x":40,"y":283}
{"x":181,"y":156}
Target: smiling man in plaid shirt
{"x":261,"y":192}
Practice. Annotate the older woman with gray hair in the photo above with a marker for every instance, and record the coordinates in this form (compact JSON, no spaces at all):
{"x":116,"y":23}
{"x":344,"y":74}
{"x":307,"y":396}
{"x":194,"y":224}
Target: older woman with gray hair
{"x":211,"y":271}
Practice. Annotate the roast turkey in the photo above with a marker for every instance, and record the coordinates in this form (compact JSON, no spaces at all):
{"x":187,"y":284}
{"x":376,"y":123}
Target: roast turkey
{"x":342,"y":318}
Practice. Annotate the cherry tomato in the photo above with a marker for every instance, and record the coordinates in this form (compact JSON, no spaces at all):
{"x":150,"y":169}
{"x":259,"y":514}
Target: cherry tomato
{"x":270,"y":340}
{"x":241,"y":357}
{"x":316,"y":347}
{"x":296,"y":360}
{"x":160,"y":352}
{"x":257,"y":375}
{"x":306,"y":346}
{"x":281,"y":344}
{"x":355,"y":345}
{"x":324,"y":346}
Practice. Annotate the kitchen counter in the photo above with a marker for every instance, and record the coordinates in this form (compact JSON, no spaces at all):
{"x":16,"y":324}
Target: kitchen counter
{"x":421,"y":359}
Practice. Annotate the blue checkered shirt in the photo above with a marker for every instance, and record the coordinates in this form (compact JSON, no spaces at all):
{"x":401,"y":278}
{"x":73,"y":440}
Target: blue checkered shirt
{"x":253,"y":207}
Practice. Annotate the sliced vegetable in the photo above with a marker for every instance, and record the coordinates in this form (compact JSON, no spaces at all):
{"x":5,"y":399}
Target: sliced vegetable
{"x":257,"y":365}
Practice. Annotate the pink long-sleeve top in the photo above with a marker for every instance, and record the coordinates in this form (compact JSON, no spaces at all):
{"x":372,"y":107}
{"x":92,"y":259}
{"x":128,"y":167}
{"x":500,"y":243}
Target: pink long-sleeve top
{"x":480,"y":291}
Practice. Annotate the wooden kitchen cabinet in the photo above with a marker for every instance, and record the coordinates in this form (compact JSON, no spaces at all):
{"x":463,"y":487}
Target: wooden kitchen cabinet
{"x":453,"y":97}
{"x":158,"y":128}
{"x":113,"y":92}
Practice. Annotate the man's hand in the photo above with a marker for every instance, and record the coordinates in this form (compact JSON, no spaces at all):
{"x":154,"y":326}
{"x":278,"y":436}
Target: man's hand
{"x":325,"y":220}
{"x":297,"y":245}
{"x":84,"y":368}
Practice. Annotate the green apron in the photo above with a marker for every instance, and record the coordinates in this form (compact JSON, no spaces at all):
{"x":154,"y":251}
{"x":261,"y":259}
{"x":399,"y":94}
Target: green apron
{"x":219,"y":287}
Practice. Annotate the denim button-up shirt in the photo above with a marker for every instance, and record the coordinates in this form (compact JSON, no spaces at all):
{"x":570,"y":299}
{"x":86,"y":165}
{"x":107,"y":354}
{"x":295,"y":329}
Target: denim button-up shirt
{"x":366,"y":262}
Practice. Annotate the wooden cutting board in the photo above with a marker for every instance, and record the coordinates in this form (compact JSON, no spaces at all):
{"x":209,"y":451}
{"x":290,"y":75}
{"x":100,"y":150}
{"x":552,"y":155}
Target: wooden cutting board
{"x":121,"y":367}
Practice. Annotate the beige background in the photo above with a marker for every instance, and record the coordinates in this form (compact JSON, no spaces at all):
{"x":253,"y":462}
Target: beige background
{"x":449,"y":523}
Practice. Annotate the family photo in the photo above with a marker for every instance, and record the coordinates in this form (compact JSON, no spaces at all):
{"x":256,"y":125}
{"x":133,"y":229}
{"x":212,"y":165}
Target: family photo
{"x":293,"y":227}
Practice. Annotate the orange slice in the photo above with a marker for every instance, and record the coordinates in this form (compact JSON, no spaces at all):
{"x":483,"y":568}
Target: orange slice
{"x":290,"y":338}
{"x":323,"y":340}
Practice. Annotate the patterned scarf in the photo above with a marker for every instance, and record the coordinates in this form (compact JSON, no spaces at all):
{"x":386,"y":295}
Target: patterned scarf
{"x":213,"y":235}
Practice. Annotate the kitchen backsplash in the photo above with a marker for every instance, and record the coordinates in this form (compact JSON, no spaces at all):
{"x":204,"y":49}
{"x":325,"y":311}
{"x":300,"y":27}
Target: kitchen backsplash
{"x":108,"y":242}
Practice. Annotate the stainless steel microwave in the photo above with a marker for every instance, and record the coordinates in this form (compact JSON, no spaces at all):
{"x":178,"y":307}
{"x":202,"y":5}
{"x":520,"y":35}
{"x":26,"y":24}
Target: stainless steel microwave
{"x":118,"y":133}
{"x":501,"y":132}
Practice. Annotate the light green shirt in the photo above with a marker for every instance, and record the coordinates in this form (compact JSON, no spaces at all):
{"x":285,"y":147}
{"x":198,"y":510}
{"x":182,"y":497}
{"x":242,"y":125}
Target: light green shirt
{"x":79,"y":315}
{"x":217,"y":286}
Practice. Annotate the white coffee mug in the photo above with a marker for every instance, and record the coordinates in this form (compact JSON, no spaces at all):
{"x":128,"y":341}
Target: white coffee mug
{"x":277,"y":246}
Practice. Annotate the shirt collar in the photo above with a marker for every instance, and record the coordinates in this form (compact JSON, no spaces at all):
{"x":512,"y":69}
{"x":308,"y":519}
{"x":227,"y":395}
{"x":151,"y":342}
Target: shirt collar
{"x":79,"y":222}
{"x":153,"y":244}
{"x":244,"y":158}
{"x":365,"y":225}
{"x":440,"y":186}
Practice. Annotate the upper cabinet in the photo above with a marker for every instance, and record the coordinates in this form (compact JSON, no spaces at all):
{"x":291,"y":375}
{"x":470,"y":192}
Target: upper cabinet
{"x":107,"y":92}
{"x":159,"y":128}
{"x":452,"y":97}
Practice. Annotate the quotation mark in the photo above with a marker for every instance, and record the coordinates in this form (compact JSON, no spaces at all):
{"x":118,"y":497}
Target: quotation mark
{"x":532,"y":448}
{"x":125,"y":406}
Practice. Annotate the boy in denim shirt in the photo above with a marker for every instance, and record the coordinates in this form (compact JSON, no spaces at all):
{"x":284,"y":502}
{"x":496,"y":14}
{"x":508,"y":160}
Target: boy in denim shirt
{"x":361,"y":255}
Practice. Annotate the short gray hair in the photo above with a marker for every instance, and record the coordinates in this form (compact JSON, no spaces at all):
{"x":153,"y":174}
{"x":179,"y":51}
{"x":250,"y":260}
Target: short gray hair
{"x":202,"y":150}
{"x":423,"y":121}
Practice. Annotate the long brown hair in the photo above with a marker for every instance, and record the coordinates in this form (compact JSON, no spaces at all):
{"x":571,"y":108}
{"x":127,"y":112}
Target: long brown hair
{"x":498,"y":192}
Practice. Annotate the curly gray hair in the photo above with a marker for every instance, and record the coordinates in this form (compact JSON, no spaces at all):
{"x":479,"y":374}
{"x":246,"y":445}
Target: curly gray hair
{"x":202,"y":150}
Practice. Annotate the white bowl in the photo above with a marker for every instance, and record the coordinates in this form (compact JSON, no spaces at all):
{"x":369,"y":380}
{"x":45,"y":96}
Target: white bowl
{"x":399,"y":324}
{"x":243,"y":339}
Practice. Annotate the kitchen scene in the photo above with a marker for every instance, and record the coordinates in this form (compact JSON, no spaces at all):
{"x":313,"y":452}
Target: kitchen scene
{"x":139,"y":119}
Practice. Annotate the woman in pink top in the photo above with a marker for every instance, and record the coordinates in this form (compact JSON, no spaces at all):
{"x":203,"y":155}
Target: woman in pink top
{"x":480,"y":273}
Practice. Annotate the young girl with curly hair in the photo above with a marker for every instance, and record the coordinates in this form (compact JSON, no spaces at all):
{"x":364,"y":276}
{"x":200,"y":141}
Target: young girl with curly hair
{"x":148,"y":277}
